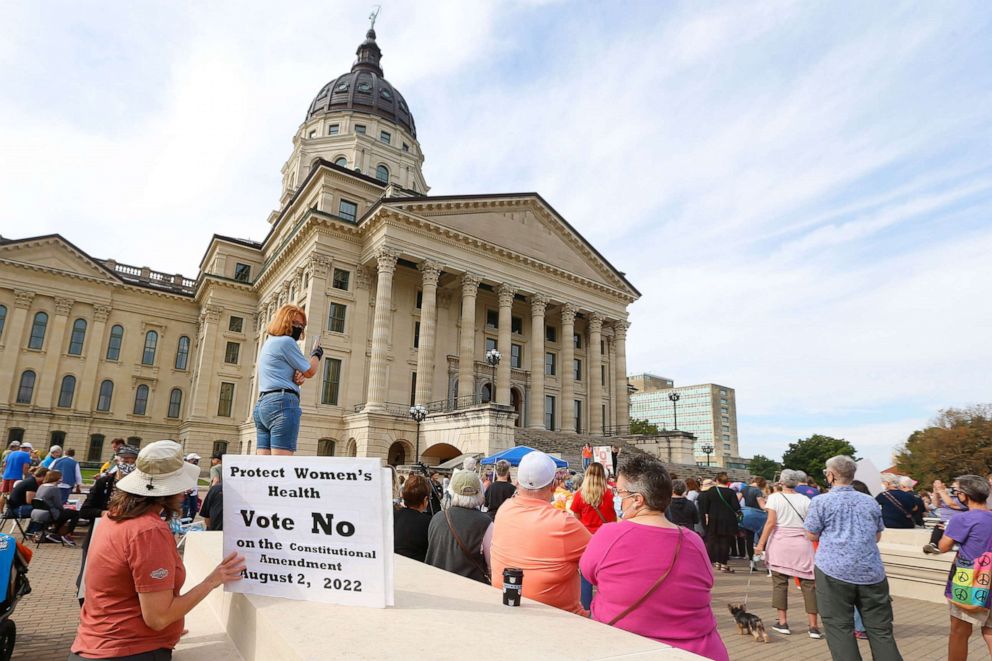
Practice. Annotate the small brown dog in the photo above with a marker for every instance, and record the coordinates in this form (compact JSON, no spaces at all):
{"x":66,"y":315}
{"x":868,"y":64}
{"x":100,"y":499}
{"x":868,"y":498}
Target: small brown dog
{"x":748,"y":623}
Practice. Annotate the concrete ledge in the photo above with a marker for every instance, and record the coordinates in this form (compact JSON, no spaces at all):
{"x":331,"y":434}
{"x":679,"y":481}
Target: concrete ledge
{"x":911,"y":572}
{"x":436,"y":614}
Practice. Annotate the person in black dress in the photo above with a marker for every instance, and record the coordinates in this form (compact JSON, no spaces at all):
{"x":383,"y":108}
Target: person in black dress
{"x":410,"y":522}
{"x":719,"y":507}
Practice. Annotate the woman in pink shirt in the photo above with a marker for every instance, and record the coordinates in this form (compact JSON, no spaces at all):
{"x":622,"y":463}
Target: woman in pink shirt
{"x":652,"y":578}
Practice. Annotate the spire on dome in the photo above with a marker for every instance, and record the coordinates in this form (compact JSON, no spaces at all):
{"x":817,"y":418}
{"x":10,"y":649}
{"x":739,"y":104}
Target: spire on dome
{"x":368,"y":52}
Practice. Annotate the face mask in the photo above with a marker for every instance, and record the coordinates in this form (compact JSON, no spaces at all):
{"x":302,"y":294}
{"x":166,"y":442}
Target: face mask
{"x":124,"y":469}
{"x":297,"y":333}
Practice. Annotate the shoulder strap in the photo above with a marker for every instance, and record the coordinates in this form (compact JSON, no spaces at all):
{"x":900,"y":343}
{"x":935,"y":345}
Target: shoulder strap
{"x":720,"y":495}
{"x":801,"y":517}
{"x":473,"y":557}
{"x":627,"y":611}
{"x":892,"y":499}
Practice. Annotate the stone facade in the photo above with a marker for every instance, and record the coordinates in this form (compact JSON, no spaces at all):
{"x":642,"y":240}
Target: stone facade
{"x":406,"y":291}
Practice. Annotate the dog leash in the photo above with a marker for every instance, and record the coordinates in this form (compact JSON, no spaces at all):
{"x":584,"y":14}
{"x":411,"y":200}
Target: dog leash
{"x":747,"y":590}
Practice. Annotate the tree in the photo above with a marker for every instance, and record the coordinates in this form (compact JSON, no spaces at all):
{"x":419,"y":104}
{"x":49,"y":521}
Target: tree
{"x":810,"y":454}
{"x":763,"y":466}
{"x":957,"y":442}
{"x":642,"y":427}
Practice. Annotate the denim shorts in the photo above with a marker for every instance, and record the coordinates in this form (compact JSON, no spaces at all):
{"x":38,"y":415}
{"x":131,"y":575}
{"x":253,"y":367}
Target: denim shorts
{"x":277,"y":421}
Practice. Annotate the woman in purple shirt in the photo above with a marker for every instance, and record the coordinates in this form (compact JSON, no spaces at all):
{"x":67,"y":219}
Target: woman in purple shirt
{"x":654,"y":579}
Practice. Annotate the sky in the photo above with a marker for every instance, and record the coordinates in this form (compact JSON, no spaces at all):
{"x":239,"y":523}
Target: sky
{"x":801,"y":191}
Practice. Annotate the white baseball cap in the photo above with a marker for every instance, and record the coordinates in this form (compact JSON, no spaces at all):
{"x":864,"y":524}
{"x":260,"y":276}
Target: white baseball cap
{"x":27,"y":445}
{"x":536,"y":471}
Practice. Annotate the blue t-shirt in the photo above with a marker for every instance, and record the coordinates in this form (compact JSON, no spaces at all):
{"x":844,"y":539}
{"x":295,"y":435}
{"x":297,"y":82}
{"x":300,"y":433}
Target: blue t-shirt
{"x":67,"y":466}
{"x":16,"y":461}
{"x":808,"y":491}
{"x":973,"y":531}
{"x":278,"y":360}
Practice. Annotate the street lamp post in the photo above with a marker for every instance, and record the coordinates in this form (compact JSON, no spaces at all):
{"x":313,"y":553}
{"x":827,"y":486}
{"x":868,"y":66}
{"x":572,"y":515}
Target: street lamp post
{"x":708,"y":449}
{"x":674,"y":398}
{"x":418,"y":412}
{"x":493,"y":357}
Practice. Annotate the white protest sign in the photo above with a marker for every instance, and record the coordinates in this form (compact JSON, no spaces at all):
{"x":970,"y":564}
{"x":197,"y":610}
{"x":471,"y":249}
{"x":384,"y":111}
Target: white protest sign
{"x":603,"y":454}
{"x":868,"y":474}
{"x":310,"y":528}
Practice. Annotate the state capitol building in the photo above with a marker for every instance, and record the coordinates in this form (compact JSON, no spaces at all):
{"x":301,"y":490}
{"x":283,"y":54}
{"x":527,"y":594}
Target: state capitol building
{"x":408,"y":292}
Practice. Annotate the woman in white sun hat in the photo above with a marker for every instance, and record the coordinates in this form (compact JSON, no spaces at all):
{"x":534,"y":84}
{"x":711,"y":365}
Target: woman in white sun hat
{"x":133,"y":608}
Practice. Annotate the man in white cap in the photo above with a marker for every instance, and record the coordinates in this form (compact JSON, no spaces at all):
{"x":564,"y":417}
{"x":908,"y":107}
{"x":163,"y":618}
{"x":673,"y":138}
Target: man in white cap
{"x":545,"y":542}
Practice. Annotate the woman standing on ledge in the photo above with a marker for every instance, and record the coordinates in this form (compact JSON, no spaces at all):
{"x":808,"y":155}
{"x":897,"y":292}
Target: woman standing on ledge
{"x":277,"y":412}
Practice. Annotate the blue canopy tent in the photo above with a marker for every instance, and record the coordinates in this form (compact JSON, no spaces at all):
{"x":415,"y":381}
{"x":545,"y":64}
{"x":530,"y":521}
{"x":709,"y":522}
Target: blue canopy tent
{"x":514,"y":455}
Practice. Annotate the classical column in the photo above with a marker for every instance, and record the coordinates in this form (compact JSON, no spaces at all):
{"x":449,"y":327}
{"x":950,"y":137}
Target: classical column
{"x":53,"y":352}
{"x":568,"y":367}
{"x":203,"y":404}
{"x":94,"y":351}
{"x":381,"y":325}
{"x":466,"y":352}
{"x":505,"y":292}
{"x":430,"y":272}
{"x":319,"y":267}
{"x":595,"y":385}
{"x":535,"y":411}
{"x":620,"y":374}
{"x":13,"y":334}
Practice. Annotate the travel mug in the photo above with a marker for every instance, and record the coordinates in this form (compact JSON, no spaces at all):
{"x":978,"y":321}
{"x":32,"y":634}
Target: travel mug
{"x":513,"y":585}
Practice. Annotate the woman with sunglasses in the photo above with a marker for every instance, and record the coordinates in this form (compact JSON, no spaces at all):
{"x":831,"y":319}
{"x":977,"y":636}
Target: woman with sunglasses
{"x":282,"y":368}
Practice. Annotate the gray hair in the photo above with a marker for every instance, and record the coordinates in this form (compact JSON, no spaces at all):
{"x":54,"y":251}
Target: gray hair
{"x":889,"y":478}
{"x":577,"y":480}
{"x":468,"y":502}
{"x":843,"y":467}
{"x":906,"y":481}
{"x":973,"y":486}
{"x":791,"y":478}
{"x":469,"y":464}
{"x":678,"y":487}
{"x":502,"y":467}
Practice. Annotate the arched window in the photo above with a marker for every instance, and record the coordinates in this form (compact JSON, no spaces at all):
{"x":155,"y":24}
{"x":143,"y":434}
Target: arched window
{"x":151,"y":342}
{"x":67,"y":390}
{"x":3,"y":318}
{"x":141,"y":400}
{"x":26,"y":389}
{"x":382,"y":173}
{"x":182,"y":353}
{"x":77,"y":338}
{"x":106,"y":396}
{"x":114,"y":344}
{"x":37,"y":339}
{"x":342,"y":161}
{"x":175,"y":402}
{"x":325,"y":447}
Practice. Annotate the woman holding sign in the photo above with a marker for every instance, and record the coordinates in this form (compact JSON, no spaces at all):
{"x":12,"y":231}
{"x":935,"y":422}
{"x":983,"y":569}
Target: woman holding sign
{"x":280,"y":365}
{"x":133,"y":608}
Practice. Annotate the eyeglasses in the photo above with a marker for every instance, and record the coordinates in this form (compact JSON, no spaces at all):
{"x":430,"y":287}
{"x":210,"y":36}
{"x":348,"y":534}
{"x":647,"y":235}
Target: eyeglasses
{"x":629,"y":494}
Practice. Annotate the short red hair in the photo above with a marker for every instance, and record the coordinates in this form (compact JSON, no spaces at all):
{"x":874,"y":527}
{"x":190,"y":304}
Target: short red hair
{"x":282,"y":322}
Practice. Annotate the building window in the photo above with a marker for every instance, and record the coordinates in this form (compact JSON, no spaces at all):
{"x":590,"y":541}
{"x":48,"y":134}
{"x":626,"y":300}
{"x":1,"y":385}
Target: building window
{"x":236,"y":324}
{"x":106,"y":395}
{"x":413,"y":388}
{"x":3,"y":318}
{"x":325,"y":447}
{"x":56,"y":438}
{"x":602,"y":347}
{"x":77,"y":338}
{"x":550,"y":334}
{"x":175,"y":402}
{"x":232,"y":353}
{"x":219,"y":448}
{"x":134,"y":441}
{"x":114,"y":344}
{"x":182,"y":353}
{"x":491,"y":344}
{"x":95,"y":451}
{"x":37,"y":339}
{"x":384,"y":137}
{"x":420,"y":299}
{"x":516,"y":325}
{"x":15,"y":434}
{"x":140,"y":400}
{"x":312,"y":133}
{"x":549,"y":364}
{"x":66,"y":391}
{"x":242,"y":272}
{"x":723,"y":393}
{"x":604,"y":418}
{"x":348,"y":210}
{"x":226,"y":400}
{"x":333,"y":129}
{"x":360,"y":129}
{"x":342,"y":161}
{"x":382,"y":173}
{"x":335,"y":320}
{"x":602,"y":375}
{"x":492,"y":318}
{"x":340,"y":279}
{"x":406,"y":147}
{"x":577,"y":369}
{"x":516,"y":356}
{"x":151,"y":342}
{"x":416,"y":335}
{"x":577,"y":341}
{"x":578,"y":416}
{"x":332,"y":382}
{"x":549,"y":412}
{"x":25,"y":390}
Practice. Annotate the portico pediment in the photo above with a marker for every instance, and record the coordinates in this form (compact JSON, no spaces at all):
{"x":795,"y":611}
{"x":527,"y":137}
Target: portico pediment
{"x":54,"y":253}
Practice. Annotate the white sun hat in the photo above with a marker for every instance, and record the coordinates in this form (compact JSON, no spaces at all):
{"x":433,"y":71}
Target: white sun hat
{"x":160,"y":471}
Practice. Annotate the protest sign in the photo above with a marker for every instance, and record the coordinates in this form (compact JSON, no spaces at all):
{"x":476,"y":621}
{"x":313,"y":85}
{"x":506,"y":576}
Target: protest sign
{"x":311,"y":528}
{"x":602,"y":454}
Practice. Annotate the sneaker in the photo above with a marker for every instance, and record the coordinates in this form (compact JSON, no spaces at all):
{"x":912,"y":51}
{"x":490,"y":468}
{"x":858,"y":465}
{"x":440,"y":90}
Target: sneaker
{"x":53,"y":538}
{"x":931,"y":549}
{"x":815,"y":634}
{"x":68,"y":541}
{"x":782,"y":629}
{"x":861,"y":635}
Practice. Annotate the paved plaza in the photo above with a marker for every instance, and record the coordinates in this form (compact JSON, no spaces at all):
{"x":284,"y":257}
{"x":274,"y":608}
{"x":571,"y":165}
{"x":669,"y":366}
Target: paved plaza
{"x":46,"y":619}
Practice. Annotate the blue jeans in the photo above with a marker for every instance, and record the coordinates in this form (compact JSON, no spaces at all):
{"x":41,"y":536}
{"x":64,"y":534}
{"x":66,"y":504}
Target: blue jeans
{"x":277,"y":421}
{"x":859,"y":624}
{"x":585,"y":597}
{"x":190,"y":506}
{"x":65,"y":494}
